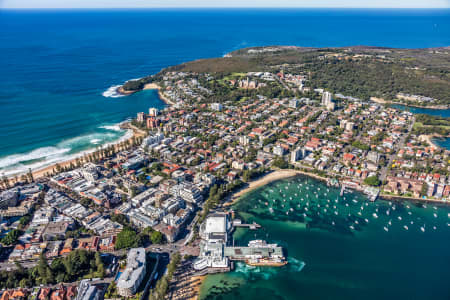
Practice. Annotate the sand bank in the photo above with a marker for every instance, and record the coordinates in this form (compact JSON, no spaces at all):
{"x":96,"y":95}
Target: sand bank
{"x":154,"y":86}
{"x":273,"y":176}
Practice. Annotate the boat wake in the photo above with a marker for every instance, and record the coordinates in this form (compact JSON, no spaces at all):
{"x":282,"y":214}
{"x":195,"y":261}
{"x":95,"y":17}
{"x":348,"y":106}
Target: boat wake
{"x":295,"y":264}
{"x":251,"y":272}
{"x":111,"y":92}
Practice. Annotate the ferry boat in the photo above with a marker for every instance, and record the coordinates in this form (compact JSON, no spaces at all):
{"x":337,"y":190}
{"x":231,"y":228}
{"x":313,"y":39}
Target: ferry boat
{"x":266,"y":262}
{"x":274,"y":260}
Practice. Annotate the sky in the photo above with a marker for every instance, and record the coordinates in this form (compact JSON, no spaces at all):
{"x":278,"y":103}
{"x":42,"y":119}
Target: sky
{"x":222,"y":3}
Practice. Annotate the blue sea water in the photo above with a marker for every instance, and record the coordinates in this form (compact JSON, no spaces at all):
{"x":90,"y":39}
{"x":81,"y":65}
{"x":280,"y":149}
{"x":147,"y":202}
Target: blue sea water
{"x":55,"y":65}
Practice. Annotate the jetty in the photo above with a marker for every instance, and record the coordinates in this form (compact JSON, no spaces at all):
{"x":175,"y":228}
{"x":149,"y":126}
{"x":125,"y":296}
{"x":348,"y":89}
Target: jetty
{"x":252,"y":226}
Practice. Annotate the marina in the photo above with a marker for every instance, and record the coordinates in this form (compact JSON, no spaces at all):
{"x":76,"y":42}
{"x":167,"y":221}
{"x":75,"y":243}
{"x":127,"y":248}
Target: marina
{"x":317,"y":226}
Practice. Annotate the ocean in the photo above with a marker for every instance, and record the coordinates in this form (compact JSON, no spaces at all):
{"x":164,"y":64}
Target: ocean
{"x":395,"y":250}
{"x":57,"y":67}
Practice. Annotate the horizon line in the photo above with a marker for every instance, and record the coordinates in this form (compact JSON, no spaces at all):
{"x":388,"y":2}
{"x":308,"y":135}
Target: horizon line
{"x":226,"y":7}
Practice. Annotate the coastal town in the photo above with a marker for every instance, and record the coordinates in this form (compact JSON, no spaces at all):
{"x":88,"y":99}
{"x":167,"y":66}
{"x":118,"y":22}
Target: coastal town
{"x":159,"y":205}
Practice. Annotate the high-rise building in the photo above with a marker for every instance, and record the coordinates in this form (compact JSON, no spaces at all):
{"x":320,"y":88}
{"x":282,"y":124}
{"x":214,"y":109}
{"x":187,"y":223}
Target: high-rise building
{"x":327,"y":101}
{"x":152,"y":123}
{"x":244,"y":140}
{"x":326,"y":98}
{"x":296,"y":155}
{"x":153,"y":112}
{"x":141,"y":117}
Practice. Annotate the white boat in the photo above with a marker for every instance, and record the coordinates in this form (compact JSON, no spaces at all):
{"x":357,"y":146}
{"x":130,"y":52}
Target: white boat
{"x":375,"y":215}
{"x":385,"y":229}
{"x":400,"y":218}
{"x":435,"y":215}
{"x":367,"y":221}
{"x":351,"y":227}
{"x":423,"y":229}
{"x":406,"y":227}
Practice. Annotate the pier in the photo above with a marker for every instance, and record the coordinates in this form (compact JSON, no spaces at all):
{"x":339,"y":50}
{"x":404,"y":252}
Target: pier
{"x":252,"y":226}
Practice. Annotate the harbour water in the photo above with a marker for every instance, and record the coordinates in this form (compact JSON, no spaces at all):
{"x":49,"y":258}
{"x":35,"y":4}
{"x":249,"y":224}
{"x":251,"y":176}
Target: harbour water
{"x":58,"y":66}
{"x":345,"y":248}
{"x":441,"y":142}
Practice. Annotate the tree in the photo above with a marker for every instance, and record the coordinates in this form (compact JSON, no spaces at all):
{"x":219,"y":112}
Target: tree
{"x":279,"y":162}
{"x":156,"y":237}
{"x":11,"y":237}
{"x":372,"y":181}
{"x":127,"y":238}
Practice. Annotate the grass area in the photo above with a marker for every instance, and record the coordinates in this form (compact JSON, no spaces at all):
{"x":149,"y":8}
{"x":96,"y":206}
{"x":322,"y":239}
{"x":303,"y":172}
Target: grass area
{"x":418,"y":125}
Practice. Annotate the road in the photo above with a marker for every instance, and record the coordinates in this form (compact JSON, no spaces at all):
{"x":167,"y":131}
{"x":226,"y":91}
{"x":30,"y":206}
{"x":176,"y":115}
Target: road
{"x":400,"y":145}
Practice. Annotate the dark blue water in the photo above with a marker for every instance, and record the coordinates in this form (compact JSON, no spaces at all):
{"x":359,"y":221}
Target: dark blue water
{"x":418,"y":110}
{"x":55,"y":65}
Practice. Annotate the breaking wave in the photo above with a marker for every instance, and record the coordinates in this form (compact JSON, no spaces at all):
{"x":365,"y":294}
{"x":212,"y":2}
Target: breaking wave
{"x":65,"y":150}
{"x":111,"y":92}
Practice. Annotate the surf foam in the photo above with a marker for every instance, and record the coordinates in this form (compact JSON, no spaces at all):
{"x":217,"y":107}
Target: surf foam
{"x":65,"y":150}
{"x":111,"y":92}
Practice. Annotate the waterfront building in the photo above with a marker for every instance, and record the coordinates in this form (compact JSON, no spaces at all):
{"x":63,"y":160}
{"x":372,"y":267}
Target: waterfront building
{"x":153,"y":112}
{"x":278,"y":150}
{"x":90,"y":172}
{"x":141,"y":117}
{"x":297,"y":154}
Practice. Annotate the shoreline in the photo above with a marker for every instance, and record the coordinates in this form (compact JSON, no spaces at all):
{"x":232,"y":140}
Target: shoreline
{"x":147,"y":86}
{"x":383,"y":101}
{"x":41,"y":172}
{"x":196,"y":283}
{"x":428,"y":138}
{"x":266,"y":179}
{"x":154,"y":86}
{"x":135,"y":132}
{"x":287,"y":173}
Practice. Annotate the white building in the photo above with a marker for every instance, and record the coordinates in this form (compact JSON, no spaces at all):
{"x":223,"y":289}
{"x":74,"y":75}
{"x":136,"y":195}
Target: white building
{"x":216,"y":106}
{"x":278,"y":150}
{"x":298,"y":154}
{"x":153,"y":112}
{"x":244,"y":140}
{"x":90,"y":172}
{"x":293,"y":103}
{"x":327,"y":101}
{"x":133,"y":274}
